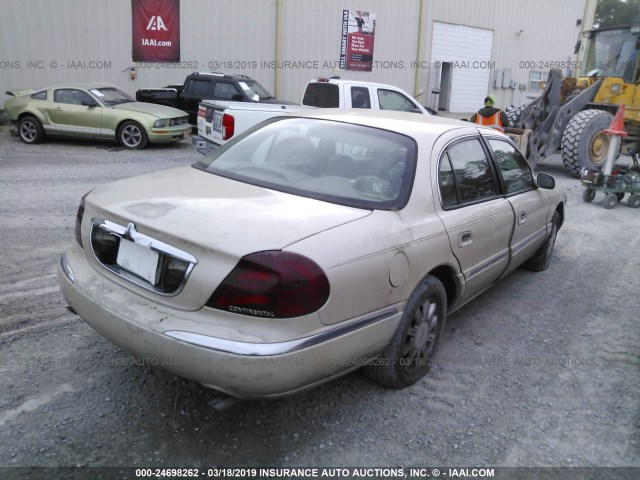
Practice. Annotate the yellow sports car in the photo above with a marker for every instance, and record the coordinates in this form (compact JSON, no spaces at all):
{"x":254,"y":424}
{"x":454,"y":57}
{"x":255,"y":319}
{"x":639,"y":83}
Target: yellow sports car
{"x":93,"y":111}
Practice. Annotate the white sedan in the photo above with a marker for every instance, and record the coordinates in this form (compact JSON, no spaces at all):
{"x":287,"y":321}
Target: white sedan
{"x":308,"y":247}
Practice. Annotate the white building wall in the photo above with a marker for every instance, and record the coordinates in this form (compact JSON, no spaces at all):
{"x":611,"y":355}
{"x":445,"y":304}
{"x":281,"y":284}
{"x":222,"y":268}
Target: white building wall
{"x":539,"y":31}
{"x":44,"y":42}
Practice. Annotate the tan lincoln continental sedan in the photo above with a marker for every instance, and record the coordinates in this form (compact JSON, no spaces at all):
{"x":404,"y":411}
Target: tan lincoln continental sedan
{"x":308,"y":247}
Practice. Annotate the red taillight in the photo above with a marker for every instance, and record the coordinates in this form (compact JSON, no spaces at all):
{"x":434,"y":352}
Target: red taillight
{"x":228,"y":123}
{"x":202,"y":112}
{"x":272,"y":284}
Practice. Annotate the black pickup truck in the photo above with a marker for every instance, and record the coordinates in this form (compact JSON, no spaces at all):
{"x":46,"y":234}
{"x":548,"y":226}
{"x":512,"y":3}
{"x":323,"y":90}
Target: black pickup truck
{"x":207,"y":86}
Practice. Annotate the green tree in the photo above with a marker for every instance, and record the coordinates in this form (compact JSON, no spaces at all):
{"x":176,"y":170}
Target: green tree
{"x":613,"y":13}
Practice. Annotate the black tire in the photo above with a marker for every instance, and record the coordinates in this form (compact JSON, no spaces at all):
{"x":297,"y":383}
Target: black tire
{"x":634,"y":200}
{"x":610,"y":201}
{"x":514,"y":113}
{"x":584,"y":144}
{"x":30,"y":130}
{"x":409,"y":355}
{"x":541,"y":260}
{"x":132,"y":135}
{"x":588,"y":195}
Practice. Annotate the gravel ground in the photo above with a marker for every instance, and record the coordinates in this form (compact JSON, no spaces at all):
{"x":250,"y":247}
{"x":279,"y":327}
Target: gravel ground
{"x":542,"y":370}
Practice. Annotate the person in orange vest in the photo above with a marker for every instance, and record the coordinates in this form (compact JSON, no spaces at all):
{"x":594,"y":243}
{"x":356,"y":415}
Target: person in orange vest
{"x":489,"y":116}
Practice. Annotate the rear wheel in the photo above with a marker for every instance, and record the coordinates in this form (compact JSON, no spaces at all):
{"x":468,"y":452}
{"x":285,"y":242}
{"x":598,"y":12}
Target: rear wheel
{"x":634,"y":200}
{"x":30,"y":130}
{"x":584,"y":143}
{"x":131,"y":135}
{"x":541,"y":260}
{"x":409,"y":355}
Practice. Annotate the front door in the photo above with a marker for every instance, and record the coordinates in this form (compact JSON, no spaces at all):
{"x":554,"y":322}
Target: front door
{"x":528,"y":202}
{"x":70,"y":117}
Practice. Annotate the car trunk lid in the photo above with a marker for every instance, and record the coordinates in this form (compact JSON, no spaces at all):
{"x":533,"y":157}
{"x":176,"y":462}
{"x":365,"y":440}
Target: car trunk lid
{"x":214,"y":219}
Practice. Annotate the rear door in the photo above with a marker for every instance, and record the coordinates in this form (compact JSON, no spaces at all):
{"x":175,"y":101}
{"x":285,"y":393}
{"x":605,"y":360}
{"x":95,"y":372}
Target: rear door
{"x":478,"y":219}
{"x":358,"y":96}
{"x":530,"y":204}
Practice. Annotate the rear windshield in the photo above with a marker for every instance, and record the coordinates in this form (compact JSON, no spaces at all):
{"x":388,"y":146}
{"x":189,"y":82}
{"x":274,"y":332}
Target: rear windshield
{"x":323,"y":95}
{"x":337,"y":162}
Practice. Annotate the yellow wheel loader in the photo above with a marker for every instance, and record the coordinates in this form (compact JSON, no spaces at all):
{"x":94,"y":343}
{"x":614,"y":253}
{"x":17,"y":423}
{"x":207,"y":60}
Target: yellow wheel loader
{"x":571,"y":113}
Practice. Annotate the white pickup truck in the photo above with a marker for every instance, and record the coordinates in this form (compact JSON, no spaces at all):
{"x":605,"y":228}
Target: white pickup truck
{"x":221,"y":121}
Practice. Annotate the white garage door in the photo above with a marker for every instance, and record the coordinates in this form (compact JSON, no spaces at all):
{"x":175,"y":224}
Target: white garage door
{"x":465,"y":56}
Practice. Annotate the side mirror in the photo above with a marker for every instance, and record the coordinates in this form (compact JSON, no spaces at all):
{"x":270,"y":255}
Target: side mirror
{"x":546,"y":181}
{"x":237,"y":97}
{"x":89,"y":103}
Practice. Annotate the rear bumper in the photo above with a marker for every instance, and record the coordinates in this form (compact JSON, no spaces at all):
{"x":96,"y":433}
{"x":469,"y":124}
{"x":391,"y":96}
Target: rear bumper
{"x":245,"y":369}
{"x":203,"y":145}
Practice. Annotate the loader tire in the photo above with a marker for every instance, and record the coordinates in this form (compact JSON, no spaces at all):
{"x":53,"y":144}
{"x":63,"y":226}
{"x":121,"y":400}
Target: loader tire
{"x":584,"y":144}
{"x":514,"y":113}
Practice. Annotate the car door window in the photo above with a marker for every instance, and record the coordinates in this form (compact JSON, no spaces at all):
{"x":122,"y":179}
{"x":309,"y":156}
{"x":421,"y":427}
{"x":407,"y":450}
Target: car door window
{"x":360,"y":97}
{"x":465,"y":175}
{"x":225,"y":91}
{"x":514,"y":169}
{"x":391,"y":100}
{"x":71,"y":96}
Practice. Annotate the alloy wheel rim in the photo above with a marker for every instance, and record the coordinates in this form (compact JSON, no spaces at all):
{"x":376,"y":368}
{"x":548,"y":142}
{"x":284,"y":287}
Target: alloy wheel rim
{"x":421,"y":337}
{"x":28,"y":131}
{"x":131,"y":136}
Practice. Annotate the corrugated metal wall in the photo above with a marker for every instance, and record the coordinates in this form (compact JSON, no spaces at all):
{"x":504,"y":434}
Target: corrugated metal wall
{"x":43,"y":42}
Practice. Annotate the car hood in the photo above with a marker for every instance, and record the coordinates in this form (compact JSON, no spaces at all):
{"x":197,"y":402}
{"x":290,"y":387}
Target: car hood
{"x":193,"y":209}
{"x":160,"y":111}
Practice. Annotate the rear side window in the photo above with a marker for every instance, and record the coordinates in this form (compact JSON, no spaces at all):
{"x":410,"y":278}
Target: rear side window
{"x":323,"y":95}
{"x":464,"y":175}
{"x":39,"y":95}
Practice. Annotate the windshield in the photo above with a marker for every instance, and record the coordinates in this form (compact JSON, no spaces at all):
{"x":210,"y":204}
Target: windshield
{"x":254,"y":90}
{"x":111,"y":96}
{"x":336,"y":162}
{"x":613,"y":53}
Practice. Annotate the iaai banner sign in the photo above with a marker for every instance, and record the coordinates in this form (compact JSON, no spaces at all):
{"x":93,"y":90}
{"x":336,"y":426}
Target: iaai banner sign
{"x":156,"y":30}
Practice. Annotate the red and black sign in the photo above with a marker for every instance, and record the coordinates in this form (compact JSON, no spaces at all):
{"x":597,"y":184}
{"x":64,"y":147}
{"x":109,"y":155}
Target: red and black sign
{"x":356,"y":44}
{"x":156,"y":30}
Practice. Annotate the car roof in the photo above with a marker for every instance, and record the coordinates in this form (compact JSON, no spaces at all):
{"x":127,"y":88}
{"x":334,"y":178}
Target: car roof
{"x":388,"y":119}
{"x":341,"y":81}
{"x":220,"y":74}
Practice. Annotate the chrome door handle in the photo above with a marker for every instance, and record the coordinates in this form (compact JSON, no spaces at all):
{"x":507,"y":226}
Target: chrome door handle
{"x":464,"y":239}
{"x":522,"y":217}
